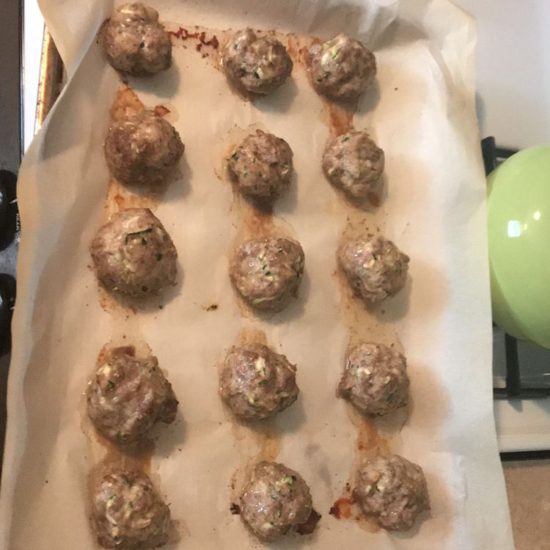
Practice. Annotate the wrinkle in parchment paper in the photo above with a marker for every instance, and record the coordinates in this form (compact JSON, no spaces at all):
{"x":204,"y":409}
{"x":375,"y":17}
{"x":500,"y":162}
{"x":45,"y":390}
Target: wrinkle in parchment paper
{"x":422,"y":115}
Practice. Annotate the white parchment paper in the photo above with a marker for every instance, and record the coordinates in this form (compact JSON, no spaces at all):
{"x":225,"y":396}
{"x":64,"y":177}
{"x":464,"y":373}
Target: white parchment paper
{"x":422,"y":115}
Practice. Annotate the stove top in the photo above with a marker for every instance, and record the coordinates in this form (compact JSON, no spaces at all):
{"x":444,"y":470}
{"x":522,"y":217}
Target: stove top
{"x":10,"y":158}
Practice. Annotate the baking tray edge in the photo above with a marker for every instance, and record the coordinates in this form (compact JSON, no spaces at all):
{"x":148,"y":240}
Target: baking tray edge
{"x":51,"y":79}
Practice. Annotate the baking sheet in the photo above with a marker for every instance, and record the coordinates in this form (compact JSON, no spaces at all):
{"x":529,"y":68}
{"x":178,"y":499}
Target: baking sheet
{"x":422,"y":114}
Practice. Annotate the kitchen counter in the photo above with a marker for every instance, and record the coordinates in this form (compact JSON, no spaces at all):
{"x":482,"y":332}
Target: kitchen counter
{"x":527,"y":483}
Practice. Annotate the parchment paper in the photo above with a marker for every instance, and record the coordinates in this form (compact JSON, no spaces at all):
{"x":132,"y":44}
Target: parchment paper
{"x":422,"y":115}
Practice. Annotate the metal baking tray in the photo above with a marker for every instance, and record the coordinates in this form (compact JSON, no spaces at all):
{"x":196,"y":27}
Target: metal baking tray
{"x":52,"y":79}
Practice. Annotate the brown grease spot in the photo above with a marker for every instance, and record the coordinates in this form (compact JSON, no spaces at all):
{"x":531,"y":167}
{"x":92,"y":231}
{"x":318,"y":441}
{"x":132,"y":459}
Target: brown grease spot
{"x":120,"y":198}
{"x":309,"y":526}
{"x":207,"y":44}
{"x":183,"y":34}
{"x":112,"y":305}
{"x":292,"y":47}
{"x":342,"y":508}
{"x":161,"y":110}
{"x":262,"y":434}
{"x":347,"y":508}
{"x":304,"y":55}
{"x":249,"y":335}
{"x":340,"y":118}
{"x":368,"y":438}
{"x":270,"y":444}
{"x":136,"y":456}
{"x":257,"y":223}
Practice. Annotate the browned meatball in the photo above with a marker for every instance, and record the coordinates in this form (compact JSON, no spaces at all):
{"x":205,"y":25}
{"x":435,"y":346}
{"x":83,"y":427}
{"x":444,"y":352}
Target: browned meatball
{"x":134,"y":255}
{"x":128,"y":512}
{"x":256,"y":64}
{"x":354,"y":163}
{"x":392,"y":490}
{"x":275,"y":500}
{"x":257,"y":383}
{"x":261,"y":166}
{"x":267,"y":271}
{"x":375,"y":379}
{"x":142,"y":149}
{"x":135,"y":42}
{"x":374,"y":267}
{"x":127,"y":396}
{"x":341,"y":68}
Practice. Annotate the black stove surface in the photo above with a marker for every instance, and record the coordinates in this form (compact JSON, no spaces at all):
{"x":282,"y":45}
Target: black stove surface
{"x":10,"y":158}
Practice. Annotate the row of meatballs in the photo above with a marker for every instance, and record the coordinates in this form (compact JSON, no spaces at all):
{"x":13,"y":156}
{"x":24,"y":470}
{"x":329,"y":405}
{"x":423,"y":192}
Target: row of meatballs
{"x":143,"y":149}
{"x":129,"y":512}
{"x":341,"y":69}
{"x":133,"y":254}
{"x":127,"y":396}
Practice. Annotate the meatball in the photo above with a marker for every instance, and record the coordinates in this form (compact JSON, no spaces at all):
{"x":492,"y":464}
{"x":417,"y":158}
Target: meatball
{"x":133,"y":254}
{"x":374,"y":267}
{"x":256,"y":65}
{"x":257,"y":383}
{"x":128,"y":512}
{"x":354,"y":163}
{"x":261,"y":166}
{"x":142,"y":149}
{"x":135,"y":42}
{"x":341,"y":68}
{"x":267,"y":272}
{"x":393,"y":490}
{"x":375,"y":379}
{"x":275,"y":500}
{"x":127,"y":396}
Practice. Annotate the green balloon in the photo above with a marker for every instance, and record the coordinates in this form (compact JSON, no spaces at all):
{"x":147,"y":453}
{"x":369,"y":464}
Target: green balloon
{"x":519,"y":244}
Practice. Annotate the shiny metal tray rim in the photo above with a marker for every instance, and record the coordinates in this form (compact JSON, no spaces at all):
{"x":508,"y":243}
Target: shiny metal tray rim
{"x":51,"y":79}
